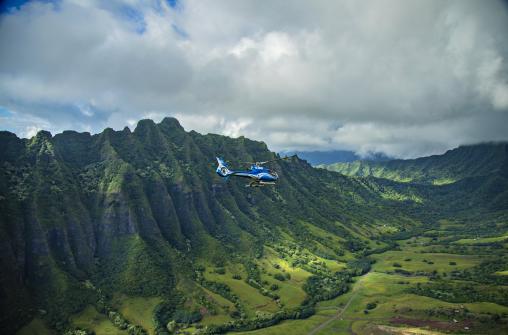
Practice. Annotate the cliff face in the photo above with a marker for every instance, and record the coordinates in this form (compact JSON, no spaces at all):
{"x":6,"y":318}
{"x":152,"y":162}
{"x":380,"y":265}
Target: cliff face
{"x":130,"y":211}
{"x":76,"y":207}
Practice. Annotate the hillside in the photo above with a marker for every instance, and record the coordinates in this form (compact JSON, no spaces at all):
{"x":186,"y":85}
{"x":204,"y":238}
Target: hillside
{"x":135,"y":231}
{"x":456,"y":164}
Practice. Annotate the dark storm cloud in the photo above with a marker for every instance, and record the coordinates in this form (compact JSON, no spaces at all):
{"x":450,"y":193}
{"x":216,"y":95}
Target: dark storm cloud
{"x":403,"y":77}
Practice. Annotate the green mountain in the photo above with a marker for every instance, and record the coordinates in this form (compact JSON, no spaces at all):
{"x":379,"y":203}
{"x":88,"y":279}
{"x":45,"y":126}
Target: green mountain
{"x":456,"y":164}
{"x":91,"y":223}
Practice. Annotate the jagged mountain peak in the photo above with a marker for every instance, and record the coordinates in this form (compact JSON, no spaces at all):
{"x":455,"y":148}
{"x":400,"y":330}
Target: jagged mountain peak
{"x":171,"y":123}
{"x":131,"y":212}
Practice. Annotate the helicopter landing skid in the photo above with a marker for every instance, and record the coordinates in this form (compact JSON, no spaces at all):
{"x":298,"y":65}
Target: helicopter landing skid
{"x":259,"y":183}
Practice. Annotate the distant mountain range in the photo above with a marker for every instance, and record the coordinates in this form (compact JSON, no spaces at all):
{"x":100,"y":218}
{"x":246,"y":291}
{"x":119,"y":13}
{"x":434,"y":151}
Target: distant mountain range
{"x":462,"y":162}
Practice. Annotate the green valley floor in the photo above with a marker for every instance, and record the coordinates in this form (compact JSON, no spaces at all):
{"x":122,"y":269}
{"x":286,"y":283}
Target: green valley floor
{"x":424,"y":285}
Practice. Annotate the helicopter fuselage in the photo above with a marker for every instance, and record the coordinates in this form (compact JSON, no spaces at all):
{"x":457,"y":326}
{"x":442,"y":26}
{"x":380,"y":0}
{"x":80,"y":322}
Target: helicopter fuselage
{"x":258,"y":174}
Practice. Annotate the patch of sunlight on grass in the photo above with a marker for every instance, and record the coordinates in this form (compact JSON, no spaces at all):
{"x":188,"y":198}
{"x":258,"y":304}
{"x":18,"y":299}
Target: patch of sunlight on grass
{"x":90,"y":319}
{"x":293,"y":327}
{"x":138,"y":310}
{"x":473,"y":241}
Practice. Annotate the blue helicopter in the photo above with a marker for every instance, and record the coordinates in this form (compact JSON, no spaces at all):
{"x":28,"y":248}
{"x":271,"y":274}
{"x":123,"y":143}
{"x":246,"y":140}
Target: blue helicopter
{"x":259,"y":175}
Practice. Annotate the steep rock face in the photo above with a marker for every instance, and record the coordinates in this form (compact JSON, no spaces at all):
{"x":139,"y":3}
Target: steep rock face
{"x":126,"y":210}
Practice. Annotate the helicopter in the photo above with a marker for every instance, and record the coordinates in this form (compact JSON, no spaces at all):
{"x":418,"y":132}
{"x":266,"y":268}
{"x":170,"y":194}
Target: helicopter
{"x":259,"y":175}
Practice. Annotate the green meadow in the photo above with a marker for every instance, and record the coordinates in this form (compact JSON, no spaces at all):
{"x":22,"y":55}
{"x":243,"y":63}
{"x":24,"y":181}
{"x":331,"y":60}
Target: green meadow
{"x":426,"y":262}
{"x":89,"y":318}
{"x":382,"y":302}
{"x":138,"y":310}
{"x":503,"y":238}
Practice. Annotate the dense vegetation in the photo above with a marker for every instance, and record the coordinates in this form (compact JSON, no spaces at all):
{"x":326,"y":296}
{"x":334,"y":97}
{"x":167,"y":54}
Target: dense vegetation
{"x":94,"y":221}
{"x":454,"y":165}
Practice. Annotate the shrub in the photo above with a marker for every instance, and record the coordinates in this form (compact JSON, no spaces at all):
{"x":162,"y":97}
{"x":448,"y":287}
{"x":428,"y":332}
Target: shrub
{"x":77,"y":332}
{"x":371,"y":305}
{"x":452,"y":263}
{"x":136,"y":330}
{"x":403,"y":272}
{"x":397,"y":265}
{"x":279,"y":277}
{"x":171,"y":326}
{"x":183,"y":316}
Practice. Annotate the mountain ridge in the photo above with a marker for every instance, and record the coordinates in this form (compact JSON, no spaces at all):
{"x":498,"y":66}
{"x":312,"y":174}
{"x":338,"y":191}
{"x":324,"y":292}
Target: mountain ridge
{"x":453,"y":165}
{"x":85,"y":218}
{"x":72,"y":203}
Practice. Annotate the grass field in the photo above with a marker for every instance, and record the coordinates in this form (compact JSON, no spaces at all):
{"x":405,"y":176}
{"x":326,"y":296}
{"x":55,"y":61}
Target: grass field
{"x":219,"y":300}
{"x":393,"y":308}
{"x":294,"y":327}
{"x":138,"y":310}
{"x":290,"y":290}
{"x":382,"y":288}
{"x":428,"y":262}
{"x":388,"y":291}
{"x":271,"y":258}
{"x":223,"y":306}
{"x":90,"y":319}
{"x":252,"y":299}
{"x":473,"y":241}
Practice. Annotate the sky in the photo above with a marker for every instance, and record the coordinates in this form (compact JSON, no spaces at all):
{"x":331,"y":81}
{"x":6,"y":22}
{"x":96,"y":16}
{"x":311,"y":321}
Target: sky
{"x":405,"y":78}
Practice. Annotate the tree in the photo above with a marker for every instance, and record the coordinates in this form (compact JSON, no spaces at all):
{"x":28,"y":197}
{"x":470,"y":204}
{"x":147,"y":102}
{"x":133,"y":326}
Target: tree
{"x":171,"y":326}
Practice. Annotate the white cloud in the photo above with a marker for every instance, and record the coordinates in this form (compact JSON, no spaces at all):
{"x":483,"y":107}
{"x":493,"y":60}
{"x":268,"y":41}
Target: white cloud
{"x":402,"y":77}
{"x":31,"y":131}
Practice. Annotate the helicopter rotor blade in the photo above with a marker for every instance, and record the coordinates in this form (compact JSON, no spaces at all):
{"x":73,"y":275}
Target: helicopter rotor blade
{"x":268,"y":161}
{"x":276,"y":159}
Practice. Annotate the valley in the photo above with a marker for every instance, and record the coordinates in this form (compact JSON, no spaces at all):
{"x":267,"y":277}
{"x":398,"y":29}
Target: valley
{"x":245,"y":167}
{"x":389,"y":286}
{"x":131,"y":232}
{"x":397,"y":309}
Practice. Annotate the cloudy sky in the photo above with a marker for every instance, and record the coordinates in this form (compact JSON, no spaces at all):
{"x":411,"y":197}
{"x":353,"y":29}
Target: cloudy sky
{"x":406,"y":78}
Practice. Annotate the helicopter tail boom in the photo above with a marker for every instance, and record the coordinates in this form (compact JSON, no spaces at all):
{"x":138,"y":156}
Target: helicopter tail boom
{"x":222,"y":168}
